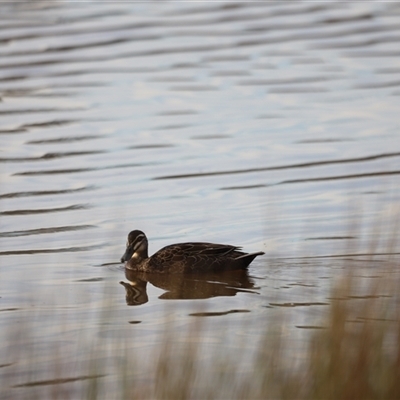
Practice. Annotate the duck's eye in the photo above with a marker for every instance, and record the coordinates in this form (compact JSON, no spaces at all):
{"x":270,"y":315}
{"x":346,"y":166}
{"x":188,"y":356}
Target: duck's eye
{"x":138,"y":242}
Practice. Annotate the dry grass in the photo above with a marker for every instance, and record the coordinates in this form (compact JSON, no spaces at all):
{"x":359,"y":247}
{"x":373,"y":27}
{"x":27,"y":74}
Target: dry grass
{"x":356,"y":357}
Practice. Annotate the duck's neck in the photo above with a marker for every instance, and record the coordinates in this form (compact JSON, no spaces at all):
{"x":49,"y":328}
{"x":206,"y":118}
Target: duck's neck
{"x":140,"y":254}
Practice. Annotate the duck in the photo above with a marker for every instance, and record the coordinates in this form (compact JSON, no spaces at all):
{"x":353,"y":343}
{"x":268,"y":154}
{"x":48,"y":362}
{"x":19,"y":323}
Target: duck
{"x":184,"y":257}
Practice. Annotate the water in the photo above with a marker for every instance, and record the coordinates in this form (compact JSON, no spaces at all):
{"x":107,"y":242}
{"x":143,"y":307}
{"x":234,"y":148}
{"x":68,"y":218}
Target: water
{"x":267,"y":125}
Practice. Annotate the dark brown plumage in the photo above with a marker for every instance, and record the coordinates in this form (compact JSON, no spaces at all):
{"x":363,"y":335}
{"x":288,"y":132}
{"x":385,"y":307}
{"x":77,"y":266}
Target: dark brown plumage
{"x":184,"y":257}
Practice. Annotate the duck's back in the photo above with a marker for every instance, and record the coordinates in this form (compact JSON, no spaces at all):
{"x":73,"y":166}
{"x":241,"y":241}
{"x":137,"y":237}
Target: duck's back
{"x":198,"y":257}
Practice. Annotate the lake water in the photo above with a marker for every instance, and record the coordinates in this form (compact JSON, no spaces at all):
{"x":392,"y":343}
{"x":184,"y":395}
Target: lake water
{"x":272,"y":126}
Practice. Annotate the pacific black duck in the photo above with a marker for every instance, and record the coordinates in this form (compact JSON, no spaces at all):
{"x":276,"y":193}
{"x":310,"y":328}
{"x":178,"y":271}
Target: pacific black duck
{"x":184,"y":257}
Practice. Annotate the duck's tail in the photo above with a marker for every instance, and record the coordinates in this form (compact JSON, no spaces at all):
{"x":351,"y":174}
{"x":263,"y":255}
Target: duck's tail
{"x":246,"y":259}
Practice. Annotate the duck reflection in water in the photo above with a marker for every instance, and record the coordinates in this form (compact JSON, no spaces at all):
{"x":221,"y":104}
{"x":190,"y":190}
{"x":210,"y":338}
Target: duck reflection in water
{"x":186,"y":286}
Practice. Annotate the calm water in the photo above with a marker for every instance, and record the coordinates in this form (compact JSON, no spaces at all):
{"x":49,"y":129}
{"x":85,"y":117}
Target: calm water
{"x":266,"y":125}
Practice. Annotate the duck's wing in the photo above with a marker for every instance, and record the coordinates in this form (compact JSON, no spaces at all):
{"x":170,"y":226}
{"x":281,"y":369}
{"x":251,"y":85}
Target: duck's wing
{"x":194,"y":256}
{"x":194,"y":249}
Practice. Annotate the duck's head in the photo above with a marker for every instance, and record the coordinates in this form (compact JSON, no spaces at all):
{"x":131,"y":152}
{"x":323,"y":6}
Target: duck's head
{"x":136,"y":247}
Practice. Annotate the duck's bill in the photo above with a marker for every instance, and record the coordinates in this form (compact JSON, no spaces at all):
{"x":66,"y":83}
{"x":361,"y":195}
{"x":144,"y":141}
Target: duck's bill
{"x":127,"y":255}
